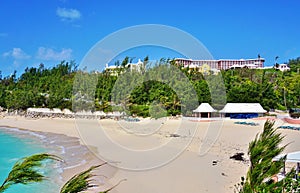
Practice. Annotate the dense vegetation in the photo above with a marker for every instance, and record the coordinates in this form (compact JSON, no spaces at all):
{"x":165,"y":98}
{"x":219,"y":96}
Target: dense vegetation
{"x":39,"y":87}
{"x":53,"y":88}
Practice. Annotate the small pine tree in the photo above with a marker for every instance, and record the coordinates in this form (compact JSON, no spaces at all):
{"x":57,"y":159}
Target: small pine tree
{"x":261,"y":151}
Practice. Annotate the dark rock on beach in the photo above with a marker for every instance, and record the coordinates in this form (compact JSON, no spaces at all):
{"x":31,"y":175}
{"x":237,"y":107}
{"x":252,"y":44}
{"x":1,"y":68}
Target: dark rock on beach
{"x":238,"y":157}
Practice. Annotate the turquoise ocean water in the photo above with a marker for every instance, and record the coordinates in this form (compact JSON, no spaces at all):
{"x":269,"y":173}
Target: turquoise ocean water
{"x":16,"y":144}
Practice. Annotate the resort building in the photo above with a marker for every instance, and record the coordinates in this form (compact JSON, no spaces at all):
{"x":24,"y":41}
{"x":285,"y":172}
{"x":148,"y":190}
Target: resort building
{"x":242,"y":110}
{"x":282,"y":67}
{"x":114,"y":70}
{"x":222,"y":64}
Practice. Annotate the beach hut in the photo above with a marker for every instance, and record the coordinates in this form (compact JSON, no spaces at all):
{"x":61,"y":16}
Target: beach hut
{"x":242,"y":110}
{"x":204,"y":111}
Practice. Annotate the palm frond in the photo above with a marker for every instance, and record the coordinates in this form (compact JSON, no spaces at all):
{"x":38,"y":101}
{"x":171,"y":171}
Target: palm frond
{"x":80,"y":182}
{"x":26,"y":170}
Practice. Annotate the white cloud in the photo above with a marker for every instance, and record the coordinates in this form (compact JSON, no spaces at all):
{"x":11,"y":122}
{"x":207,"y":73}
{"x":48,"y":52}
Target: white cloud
{"x":68,"y":14}
{"x":17,"y":54}
{"x":50,"y":54}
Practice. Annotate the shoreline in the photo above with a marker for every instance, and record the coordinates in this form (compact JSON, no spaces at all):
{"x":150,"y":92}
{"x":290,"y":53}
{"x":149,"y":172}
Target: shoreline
{"x":198,"y":173}
{"x":66,"y":144}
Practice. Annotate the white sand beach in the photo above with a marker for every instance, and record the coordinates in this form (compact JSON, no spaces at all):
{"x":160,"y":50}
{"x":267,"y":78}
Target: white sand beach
{"x":213,"y":171}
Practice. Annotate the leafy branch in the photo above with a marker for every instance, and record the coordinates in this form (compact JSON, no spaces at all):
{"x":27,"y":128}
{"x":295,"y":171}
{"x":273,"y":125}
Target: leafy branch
{"x":26,"y":170}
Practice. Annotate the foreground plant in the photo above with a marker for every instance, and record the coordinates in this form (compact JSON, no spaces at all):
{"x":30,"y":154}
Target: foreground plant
{"x":26,"y":170}
{"x":261,"y":151}
{"x":83,"y":181}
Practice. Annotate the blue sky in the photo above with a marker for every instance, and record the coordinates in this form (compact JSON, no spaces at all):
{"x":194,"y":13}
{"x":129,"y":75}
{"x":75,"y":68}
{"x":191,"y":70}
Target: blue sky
{"x":48,"y":31}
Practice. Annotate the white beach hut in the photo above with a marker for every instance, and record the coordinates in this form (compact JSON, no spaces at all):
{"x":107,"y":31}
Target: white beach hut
{"x":204,"y":110}
{"x":242,"y":110}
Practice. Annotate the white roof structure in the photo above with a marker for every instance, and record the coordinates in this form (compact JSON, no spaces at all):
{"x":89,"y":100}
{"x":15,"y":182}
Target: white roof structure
{"x":56,"y":110}
{"x":243,"y":108}
{"x":39,"y":110}
{"x":290,"y":157}
{"x":67,"y":112}
{"x":44,"y":110}
{"x":85,"y":113}
{"x":283,"y":67}
{"x":111,"y":67}
{"x":204,"y":108}
{"x":100,"y":113}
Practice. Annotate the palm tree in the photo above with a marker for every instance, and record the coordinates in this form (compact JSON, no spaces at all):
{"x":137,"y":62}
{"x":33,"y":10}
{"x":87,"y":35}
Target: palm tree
{"x":261,"y":151}
{"x":26,"y":171}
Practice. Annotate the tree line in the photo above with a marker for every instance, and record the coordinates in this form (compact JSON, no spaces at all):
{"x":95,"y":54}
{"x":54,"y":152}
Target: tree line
{"x":53,"y":88}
